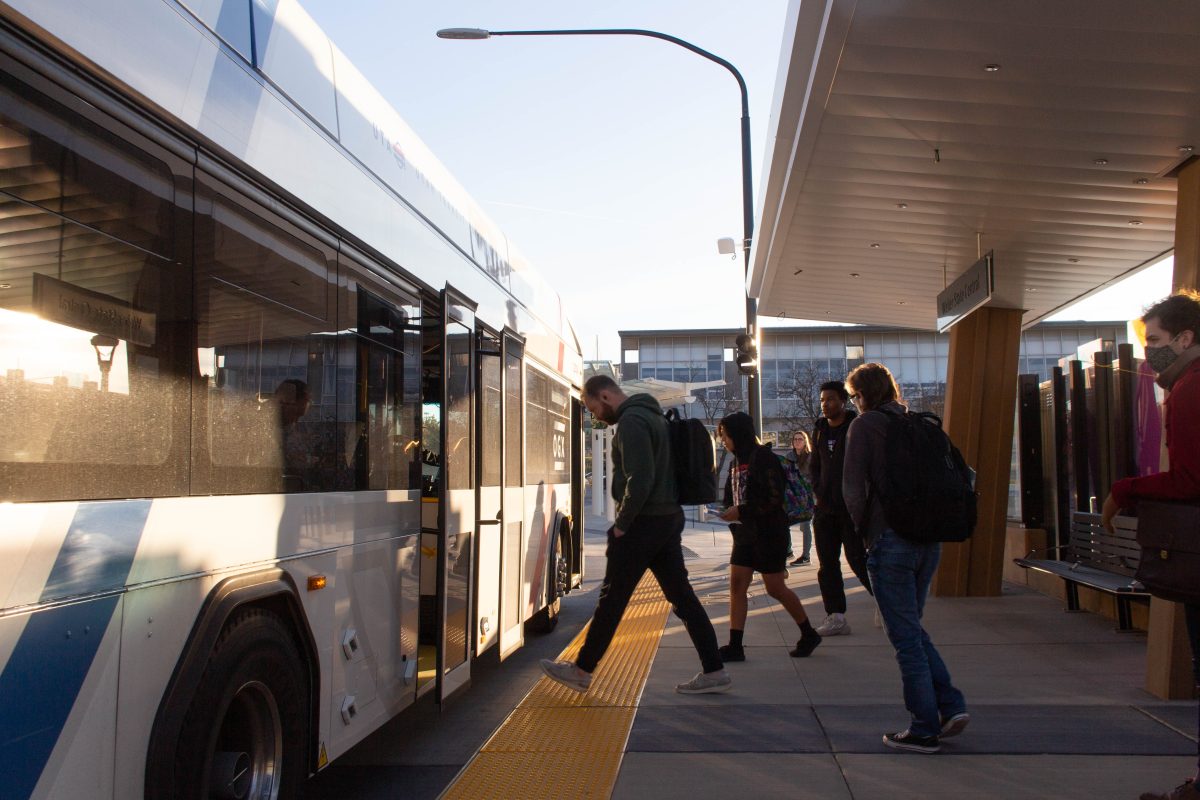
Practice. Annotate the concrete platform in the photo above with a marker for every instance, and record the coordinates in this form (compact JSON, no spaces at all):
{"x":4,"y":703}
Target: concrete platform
{"x":1055,"y":698}
{"x":1056,"y":702}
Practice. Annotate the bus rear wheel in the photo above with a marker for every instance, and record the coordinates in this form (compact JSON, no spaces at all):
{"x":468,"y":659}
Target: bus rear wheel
{"x":244,"y":732}
{"x":559,"y":578}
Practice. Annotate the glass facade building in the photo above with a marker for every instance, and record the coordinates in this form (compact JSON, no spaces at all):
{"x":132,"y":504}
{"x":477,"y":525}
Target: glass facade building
{"x":797,"y":360}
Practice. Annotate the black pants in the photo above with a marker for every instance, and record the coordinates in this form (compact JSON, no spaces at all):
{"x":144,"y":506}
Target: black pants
{"x":833,"y":532}
{"x":654,"y":543}
{"x":1191,"y":614}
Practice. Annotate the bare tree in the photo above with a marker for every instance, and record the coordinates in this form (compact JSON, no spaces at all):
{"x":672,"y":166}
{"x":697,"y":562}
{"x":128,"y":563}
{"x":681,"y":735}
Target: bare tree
{"x":717,"y":402}
{"x":925,"y":397}
{"x":800,"y":397}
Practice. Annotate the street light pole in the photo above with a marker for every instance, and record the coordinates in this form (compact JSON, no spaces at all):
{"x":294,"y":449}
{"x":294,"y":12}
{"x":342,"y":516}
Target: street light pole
{"x":753,"y":388}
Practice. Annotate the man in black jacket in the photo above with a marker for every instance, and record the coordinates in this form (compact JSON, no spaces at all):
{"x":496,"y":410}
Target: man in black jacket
{"x":647,"y":535}
{"x":833,"y":529}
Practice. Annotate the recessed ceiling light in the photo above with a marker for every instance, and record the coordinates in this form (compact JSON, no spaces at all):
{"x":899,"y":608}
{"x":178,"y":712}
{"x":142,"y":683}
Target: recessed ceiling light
{"x":991,"y":67}
{"x":1100,"y":162}
{"x":875,"y":245}
{"x":901,"y":205}
{"x":1186,"y":148}
{"x":899,"y":302}
{"x":5,"y":285}
{"x":1135,"y":222}
{"x":1030,"y":289}
{"x":1141,"y":181}
{"x":855,"y":275}
{"x":1073,"y":260}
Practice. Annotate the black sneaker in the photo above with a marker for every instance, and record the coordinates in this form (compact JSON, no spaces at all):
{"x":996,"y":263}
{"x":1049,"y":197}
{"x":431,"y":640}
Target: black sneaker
{"x":954,"y":724}
{"x":802,"y":561}
{"x":905,"y":740}
{"x":732,"y":652}
{"x":806,"y":645}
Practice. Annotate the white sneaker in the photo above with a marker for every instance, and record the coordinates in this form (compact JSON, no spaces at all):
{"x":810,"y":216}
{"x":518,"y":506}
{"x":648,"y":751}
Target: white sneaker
{"x":566,"y":673}
{"x":707,"y":683}
{"x":834,"y":625}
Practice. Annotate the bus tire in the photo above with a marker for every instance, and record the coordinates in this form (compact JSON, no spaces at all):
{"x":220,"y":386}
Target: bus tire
{"x":247,"y":721}
{"x":558,"y":578}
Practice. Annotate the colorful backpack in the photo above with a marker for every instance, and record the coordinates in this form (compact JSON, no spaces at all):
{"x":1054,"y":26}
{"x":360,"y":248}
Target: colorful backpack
{"x":797,"y":492}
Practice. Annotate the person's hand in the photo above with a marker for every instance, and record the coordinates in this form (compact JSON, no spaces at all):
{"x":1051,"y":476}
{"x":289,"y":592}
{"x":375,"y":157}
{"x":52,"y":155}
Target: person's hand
{"x":617,"y":532}
{"x":1110,"y":510}
{"x":730,"y":514}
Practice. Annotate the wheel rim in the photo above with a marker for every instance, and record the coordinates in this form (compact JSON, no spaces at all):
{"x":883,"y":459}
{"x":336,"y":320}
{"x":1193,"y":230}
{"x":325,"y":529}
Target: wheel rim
{"x":562,"y":576}
{"x":248,"y":751}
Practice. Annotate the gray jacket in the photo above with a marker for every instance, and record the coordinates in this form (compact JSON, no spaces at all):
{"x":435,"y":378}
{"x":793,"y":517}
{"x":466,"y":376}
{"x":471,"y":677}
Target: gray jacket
{"x":865,"y":467}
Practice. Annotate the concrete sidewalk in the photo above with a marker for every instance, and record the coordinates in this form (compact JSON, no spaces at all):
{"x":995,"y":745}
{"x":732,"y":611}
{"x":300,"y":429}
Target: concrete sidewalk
{"x":1057,"y":708}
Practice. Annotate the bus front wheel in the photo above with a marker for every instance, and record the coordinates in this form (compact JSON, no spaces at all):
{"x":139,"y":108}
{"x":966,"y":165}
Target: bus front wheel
{"x":243,"y":735}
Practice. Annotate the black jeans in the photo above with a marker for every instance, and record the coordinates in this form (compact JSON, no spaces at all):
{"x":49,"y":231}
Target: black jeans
{"x":654,"y":543}
{"x":833,"y":531}
{"x":1191,"y":614}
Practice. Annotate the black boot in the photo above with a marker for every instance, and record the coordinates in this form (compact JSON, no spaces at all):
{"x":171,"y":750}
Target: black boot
{"x":808,"y":642}
{"x":732,"y":652}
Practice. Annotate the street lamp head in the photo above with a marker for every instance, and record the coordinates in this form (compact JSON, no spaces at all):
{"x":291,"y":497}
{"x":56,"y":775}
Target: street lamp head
{"x":105,"y":348}
{"x":463,"y":33}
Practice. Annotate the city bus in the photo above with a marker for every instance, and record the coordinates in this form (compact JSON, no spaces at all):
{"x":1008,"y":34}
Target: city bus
{"x":289,"y":431}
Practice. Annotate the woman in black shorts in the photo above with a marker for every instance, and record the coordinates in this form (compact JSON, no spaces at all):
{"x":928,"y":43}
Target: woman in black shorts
{"x":755,"y":513}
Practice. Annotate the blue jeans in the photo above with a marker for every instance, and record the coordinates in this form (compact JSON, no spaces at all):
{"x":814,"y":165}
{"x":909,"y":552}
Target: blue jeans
{"x":901,"y":572}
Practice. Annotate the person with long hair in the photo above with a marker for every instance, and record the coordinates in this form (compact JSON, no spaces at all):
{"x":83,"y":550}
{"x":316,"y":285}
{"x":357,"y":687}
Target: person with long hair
{"x":800,"y":456}
{"x":900,"y":570}
{"x":756,"y":516}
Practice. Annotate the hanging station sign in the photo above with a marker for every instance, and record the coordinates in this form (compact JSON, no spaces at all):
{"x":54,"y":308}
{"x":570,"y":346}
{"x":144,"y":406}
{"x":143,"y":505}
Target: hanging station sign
{"x":968,"y":292}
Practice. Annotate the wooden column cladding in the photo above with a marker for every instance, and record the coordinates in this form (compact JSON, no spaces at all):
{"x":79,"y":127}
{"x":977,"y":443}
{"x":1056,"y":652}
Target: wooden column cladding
{"x":1168,"y":653}
{"x":1187,"y":226}
{"x":981,"y":396}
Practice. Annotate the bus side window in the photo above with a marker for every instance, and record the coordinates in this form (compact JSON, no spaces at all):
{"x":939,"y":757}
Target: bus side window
{"x":94,"y":297}
{"x":547,"y":431}
{"x":264,"y":412}
{"x":380,"y":397}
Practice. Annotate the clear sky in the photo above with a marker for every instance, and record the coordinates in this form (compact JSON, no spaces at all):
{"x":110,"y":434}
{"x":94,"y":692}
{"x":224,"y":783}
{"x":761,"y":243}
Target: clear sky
{"x":613,"y":163}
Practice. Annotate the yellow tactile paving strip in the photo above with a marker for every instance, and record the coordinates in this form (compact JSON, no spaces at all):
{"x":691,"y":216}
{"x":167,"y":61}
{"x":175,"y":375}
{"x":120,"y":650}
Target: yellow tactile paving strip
{"x":558,"y":743}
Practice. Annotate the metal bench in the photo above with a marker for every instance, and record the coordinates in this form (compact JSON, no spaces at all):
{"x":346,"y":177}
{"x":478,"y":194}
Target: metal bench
{"x":1097,"y":559}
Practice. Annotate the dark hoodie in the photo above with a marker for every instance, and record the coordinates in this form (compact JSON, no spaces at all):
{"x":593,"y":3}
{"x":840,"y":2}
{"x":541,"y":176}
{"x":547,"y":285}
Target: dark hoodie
{"x":643,"y":481}
{"x":827,"y":462}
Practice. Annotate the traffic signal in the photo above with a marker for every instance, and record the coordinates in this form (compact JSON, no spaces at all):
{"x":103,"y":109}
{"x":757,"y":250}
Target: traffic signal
{"x":745,"y":353}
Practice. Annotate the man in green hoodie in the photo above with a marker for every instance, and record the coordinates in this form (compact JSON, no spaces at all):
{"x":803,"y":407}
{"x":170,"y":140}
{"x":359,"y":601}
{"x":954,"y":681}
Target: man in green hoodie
{"x":646,"y":535}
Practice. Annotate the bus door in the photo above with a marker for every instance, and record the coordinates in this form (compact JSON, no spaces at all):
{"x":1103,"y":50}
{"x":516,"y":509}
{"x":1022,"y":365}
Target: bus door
{"x":457,"y":517}
{"x":489,"y":494}
{"x":512,"y":548}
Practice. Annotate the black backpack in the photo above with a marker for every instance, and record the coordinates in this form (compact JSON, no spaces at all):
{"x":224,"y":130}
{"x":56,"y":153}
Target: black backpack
{"x":694,"y":457}
{"x":930,"y":493}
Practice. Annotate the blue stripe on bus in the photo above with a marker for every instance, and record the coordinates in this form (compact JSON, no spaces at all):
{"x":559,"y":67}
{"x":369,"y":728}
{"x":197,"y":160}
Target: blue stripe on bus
{"x":40,"y":683}
{"x":51,"y":660}
{"x":98,"y":550}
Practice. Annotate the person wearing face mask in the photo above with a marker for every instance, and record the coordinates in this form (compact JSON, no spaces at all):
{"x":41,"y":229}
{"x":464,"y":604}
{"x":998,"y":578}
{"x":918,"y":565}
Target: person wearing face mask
{"x":1173,"y":351}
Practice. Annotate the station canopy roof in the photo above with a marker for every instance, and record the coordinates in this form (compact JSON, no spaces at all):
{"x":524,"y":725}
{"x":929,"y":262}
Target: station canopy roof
{"x":911,"y":135}
{"x":667,"y":393}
